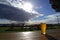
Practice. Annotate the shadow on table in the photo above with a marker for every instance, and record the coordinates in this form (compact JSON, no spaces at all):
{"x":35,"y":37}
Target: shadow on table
{"x":50,"y":37}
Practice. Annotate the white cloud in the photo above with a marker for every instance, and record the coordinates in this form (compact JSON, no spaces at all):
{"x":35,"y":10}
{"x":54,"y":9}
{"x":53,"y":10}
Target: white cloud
{"x":18,"y":4}
{"x":53,"y":15}
{"x":30,"y":22}
{"x":38,"y":7}
{"x":5,"y":2}
{"x":3,"y":21}
{"x":52,"y":19}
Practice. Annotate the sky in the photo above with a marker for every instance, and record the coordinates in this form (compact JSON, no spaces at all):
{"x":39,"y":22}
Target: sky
{"x":30,"y":11}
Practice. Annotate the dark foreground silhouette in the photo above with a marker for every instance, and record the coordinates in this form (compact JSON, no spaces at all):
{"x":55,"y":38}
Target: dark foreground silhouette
{"x":50,"y":37}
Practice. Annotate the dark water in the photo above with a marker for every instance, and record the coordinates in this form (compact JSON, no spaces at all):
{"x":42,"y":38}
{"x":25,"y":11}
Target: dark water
{"x":36,"y":35}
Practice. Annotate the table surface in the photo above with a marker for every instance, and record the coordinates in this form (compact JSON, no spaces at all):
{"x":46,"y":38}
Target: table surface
{"x":53,"y":34}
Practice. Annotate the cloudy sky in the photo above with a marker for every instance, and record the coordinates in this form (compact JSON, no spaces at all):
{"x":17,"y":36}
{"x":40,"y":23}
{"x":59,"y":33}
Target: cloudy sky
{"x":31,"y":11}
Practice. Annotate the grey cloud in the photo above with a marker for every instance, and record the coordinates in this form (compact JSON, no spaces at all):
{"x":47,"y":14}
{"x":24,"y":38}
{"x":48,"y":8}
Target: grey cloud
{"x":5,"y":2}
{"x":12,"y":13}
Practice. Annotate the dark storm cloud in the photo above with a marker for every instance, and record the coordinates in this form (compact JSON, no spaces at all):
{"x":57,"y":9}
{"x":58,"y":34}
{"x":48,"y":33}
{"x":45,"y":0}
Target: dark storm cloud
{"x":12,"y":13}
